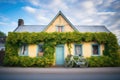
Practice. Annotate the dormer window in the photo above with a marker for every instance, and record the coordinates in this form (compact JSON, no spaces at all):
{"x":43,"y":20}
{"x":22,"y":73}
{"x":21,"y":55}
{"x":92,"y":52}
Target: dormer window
{"x":60,"y":28}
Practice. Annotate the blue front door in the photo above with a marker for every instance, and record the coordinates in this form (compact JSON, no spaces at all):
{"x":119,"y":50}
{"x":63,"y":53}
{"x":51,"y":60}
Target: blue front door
{"x":60,"y":55}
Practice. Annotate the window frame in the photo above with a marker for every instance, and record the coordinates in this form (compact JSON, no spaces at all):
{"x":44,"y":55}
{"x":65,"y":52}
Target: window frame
{"x":21,"y":51}
{"x":98,"y":49}
{"x":75,"y":49}
{"x":37,"y":54}
{"x":61,"y":26}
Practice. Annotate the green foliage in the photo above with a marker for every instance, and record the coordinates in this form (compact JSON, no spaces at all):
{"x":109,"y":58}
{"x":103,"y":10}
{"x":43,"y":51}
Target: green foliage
{"x":103,"y":61}
{"x":69,"y":48}
{"x":50,"y":40}
{"x":2,"y":33}
{"x":25,"y":61}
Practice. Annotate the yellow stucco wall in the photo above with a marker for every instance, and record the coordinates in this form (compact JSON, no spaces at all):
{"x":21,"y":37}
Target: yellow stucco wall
{"x":32,"y":50}
{"x":59,"y":22}
{"x":86,"y":49}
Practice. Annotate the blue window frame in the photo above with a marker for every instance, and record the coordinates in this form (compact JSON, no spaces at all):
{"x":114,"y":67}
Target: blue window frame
{"x":78,"y":49}
{"x":60,"y":28}
{"x":95,"y":49}
{"x":24,"y":50}
{"x":40,"y":50}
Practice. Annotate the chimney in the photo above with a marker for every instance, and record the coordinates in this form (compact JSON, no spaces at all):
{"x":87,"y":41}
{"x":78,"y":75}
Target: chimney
{"x":20,"y":22}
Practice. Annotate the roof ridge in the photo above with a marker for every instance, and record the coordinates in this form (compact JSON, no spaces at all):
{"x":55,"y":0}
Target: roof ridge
{"x":89,"y":25}
{"x":34,"y":25}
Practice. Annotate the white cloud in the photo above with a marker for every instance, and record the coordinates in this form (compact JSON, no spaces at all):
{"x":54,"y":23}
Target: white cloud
{"x":8,"y":24}
{"x":108,"y":3}
{"x":115,"y":25}
{"x":3,"y":18}
{"x":87,"y":21}
{"x":35,"y":2}
{"x":117,"y":33}
{"x":39,"y":15}
{"x":89,"y":7}
{"x":57,"y":5}
{"x":3,"y":23}
{"x":53,"y":5}
{"x":106,"y":13}
{"x":98,"y":2}
{"x":72,"y":1}
{"x":29,"y":9}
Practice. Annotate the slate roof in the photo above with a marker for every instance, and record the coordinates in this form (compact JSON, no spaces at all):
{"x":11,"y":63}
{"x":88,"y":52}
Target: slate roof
{"x":30,"y":28}
{"x":91,"y":28}
{"x":80,"y":28}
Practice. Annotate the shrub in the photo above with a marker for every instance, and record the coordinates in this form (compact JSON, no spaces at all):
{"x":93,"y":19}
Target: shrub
{"x":24,"y":61}
{"x":103,"y":61}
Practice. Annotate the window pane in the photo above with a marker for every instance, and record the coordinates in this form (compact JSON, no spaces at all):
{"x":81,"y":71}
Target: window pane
{"x":78,"y":50}
{"x":95,"y":49}
{"x":59,"y":28}
{"x":23,"y":50}
{"x":40,"y":48}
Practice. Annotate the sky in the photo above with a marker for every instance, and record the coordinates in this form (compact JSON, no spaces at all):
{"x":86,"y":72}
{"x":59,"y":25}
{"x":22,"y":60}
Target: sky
{"x":79,"y":12}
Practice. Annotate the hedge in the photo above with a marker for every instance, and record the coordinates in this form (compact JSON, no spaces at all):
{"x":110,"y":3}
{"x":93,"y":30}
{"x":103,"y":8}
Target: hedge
{"x":50,"y":40}
{"x":103,"y":61}
{"x":26,"y":61}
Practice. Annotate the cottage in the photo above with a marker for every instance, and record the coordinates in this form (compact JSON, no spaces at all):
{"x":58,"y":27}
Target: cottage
{"x":61,"y":24}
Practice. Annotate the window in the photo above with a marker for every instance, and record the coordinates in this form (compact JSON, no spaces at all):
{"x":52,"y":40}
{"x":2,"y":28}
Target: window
{"x":95,"y":49}
{"x":2,"y":46}
{"x":60,"y":28}
{"x":40,"y":50}
{"x":78,"y":49}
{"x":24,"y":50}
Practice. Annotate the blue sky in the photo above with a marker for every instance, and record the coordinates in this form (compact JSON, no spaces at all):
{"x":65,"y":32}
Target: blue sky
{"x":79,"y":12}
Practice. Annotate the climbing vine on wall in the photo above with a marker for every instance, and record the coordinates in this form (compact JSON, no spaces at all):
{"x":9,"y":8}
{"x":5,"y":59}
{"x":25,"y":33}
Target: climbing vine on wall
{"x":50,"y":40}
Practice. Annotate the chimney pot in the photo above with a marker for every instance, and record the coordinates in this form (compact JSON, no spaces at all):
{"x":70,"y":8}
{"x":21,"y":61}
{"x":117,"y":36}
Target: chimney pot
{"x":20,"y":22}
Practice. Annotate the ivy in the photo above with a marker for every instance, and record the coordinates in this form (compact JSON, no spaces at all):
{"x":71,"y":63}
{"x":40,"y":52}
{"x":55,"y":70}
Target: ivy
{"x":50,"y":40}
{"x":69,"y":48}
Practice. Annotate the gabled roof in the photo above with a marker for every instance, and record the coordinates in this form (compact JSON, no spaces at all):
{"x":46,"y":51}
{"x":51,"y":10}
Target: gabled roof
{"x":60,"y":13}
{"x":80,"y":28}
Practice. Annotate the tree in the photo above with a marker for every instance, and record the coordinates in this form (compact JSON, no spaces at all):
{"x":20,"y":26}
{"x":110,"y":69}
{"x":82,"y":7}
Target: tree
{"x":2,"y":33}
